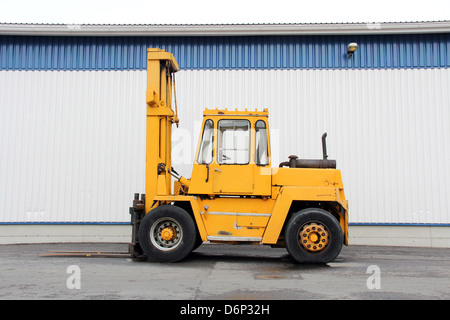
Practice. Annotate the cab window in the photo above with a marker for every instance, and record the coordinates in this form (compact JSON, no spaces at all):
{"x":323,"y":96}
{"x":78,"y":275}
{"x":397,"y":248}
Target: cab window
{"x":205,"y":154}
{"x":233,"y":142}
{"x":261,"y":146}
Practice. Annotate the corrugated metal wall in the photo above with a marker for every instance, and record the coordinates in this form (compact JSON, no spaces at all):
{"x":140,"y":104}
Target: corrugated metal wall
{"x":72,"y":117}
{"x":72,"y":145}
{"x":253,"y":52}
{"x":73,"y":141}
{"x":389,"y":130}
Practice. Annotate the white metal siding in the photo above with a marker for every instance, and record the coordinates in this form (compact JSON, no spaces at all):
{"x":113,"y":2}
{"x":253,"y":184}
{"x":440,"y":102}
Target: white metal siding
{"x":72,"y":145}
{"x":389,"y":130}
{"x":72,"y":142}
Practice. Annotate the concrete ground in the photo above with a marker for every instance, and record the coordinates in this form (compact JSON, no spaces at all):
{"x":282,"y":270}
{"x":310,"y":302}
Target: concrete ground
{"x":225,"y":272}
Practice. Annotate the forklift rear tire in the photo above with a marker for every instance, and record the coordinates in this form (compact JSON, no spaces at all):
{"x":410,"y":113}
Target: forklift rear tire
{"x":167,"y":234}
{"x":313,"y":236}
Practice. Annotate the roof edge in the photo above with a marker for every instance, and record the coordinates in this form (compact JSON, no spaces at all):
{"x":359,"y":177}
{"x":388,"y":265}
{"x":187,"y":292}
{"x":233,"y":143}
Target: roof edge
{"x":223,"y":29}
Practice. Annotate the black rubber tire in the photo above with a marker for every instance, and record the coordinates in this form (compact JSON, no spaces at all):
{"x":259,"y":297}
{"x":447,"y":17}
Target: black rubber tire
{"x":198,"y":242}
{"x":306,"y":216}
{"x":187,"y":239}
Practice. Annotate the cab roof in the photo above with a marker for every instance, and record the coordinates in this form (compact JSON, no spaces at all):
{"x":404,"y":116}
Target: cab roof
{"x":236,"y":112}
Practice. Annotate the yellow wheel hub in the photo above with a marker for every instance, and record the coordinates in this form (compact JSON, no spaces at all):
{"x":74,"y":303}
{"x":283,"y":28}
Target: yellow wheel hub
{"x":314,"y":237}
{"x":168,"y":233}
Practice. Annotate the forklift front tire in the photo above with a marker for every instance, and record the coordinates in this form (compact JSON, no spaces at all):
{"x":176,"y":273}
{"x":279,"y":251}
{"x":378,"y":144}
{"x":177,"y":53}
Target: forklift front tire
{"x":167,"y":234}
{"x":313,"y":236}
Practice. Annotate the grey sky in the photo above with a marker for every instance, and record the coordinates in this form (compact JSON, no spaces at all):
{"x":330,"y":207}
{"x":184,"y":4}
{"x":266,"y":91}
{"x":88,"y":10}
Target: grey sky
{"x":220,"y":12}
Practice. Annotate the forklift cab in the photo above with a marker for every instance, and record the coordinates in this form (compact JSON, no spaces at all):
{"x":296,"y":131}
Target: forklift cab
{"x":233,"y":154}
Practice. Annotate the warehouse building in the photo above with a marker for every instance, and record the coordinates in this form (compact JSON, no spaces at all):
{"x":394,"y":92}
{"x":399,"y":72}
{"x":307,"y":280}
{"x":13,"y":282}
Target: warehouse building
{"x":72,"y":118}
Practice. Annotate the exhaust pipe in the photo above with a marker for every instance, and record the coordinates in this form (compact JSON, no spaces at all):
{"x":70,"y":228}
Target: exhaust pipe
{"x":324,"y":146}
{"x":294,"y":162}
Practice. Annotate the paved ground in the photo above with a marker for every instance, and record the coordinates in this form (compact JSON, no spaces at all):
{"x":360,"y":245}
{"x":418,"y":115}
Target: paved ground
{"x":225,"y":272}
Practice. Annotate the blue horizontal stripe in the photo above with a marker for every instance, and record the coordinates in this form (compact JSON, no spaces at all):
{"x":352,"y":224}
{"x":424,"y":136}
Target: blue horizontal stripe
{"x":252,"y":52}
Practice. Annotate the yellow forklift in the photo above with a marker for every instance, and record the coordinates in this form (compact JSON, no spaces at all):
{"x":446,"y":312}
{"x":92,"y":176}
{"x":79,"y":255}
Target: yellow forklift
{"x":234,"y":195}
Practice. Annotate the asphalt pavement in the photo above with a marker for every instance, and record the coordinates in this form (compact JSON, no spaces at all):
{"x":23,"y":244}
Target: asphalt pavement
{"x":224,"y":272}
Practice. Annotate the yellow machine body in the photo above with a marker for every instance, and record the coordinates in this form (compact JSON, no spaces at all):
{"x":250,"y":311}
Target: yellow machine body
{"x":251,"y":202}
{"x":234,"y":194}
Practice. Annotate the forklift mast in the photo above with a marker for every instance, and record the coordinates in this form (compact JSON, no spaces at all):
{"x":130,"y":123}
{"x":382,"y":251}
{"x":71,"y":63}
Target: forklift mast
{"x":161,"y":66}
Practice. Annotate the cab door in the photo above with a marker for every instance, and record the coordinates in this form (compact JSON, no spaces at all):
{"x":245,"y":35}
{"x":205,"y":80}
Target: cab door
{"x":232,"y":172}
{"x":201,"y":182}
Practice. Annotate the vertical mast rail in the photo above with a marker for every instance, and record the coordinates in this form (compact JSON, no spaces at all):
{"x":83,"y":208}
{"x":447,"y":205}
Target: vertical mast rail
{"x":161,"y":65}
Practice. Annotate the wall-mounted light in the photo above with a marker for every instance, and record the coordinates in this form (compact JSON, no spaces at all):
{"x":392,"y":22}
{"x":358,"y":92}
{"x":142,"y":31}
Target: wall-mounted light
{"x":351,"y":49}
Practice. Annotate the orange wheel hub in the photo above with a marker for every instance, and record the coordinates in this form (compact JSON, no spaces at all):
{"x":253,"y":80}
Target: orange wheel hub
{"x":314,"y":237}
{"x":168,"y":233}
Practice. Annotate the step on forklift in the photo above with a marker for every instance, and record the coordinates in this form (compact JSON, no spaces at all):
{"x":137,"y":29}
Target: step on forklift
{"x":234,"y":196}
